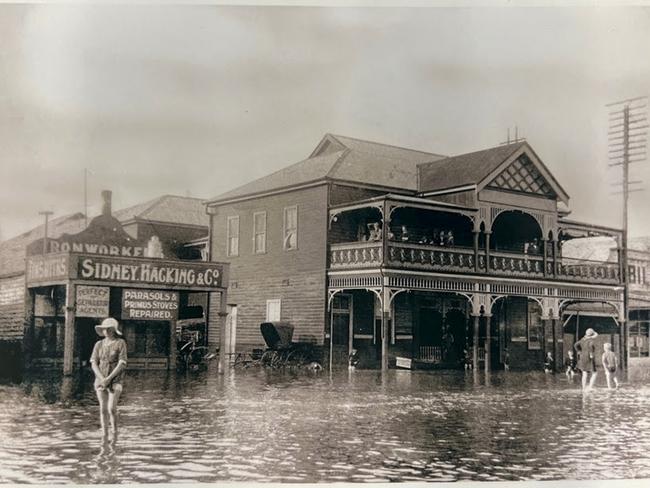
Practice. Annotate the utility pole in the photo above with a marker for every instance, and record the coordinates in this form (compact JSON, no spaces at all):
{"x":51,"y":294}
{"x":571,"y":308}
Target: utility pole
{"x":47,"y":214}
{"x":628,"y":125}
{"x":85,"y":197}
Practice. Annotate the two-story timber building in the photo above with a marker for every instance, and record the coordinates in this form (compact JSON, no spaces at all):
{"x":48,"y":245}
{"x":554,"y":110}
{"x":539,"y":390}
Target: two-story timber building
{"x":403,"y":253}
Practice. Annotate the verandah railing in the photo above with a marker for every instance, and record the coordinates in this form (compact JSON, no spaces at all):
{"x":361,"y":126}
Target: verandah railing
{"x":463,"y":260}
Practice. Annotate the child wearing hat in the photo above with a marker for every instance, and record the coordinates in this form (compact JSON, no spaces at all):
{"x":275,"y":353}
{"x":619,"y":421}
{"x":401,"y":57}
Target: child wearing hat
{"x":108,"y":362}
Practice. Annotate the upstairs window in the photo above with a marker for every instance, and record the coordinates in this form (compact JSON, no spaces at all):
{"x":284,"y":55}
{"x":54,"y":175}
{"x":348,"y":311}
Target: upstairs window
{"x":290,"y":239}
{"x":232,"y":236}
{"x":259,"y":232}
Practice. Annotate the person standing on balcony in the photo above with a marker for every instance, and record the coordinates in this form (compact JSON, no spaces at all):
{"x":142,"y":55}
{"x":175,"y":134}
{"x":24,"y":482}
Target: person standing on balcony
{"x":449,"y":239}
{"x":405,"y":234}
{"x":375,"y":232}
{"x":586,"y":351}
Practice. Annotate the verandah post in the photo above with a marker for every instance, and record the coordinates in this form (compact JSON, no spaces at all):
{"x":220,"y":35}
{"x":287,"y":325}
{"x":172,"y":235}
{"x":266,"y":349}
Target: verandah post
{"x":475,"y":344}
{"x":68,"y":339}
{"x":488,"y":344}
{"x":385,"y":317}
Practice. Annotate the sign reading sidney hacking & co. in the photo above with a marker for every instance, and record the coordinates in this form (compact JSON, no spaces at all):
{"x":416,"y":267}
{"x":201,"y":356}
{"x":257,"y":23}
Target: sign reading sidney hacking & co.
{"x":154,"y":272}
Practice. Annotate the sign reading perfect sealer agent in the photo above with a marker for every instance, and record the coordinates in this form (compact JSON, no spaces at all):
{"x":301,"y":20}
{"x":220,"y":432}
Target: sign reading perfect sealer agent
{"x":92,"y":301}
{"x":204,"y":275}
{"x":149,"y":304}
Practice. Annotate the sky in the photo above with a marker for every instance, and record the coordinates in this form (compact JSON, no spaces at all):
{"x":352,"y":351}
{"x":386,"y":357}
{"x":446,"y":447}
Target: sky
{"x":197,"y":100}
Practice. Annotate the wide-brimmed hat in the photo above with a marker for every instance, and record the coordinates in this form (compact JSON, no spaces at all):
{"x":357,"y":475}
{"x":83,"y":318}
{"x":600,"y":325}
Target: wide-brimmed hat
{"x":108,"y":323}
{"x":590,"y":333}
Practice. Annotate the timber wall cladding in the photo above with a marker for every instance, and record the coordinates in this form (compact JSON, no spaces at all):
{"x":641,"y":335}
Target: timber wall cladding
{"x":296,"y":277}
{"x":12,"y":307}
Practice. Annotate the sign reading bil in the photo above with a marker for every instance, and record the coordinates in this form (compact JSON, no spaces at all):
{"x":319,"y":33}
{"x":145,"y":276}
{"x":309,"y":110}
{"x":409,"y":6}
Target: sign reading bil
{"x":151,"y":272}
{"x":149,"y":305}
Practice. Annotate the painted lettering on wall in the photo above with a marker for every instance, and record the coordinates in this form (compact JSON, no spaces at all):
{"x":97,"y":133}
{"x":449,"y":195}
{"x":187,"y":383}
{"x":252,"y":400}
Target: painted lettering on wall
{"x":149,"y":305}
{"x":46,"y":268}
{"x":94,"y":248}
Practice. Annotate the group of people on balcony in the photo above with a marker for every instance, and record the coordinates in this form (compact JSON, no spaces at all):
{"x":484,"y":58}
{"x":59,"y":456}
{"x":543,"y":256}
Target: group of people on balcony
{"x":436,"y":238}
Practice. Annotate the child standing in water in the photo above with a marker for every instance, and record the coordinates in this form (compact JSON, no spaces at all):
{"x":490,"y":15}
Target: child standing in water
{"x":108,"y":362}
{"x":610,"y":363}
{"x":549,"y":364}
{"x":571,"y":363}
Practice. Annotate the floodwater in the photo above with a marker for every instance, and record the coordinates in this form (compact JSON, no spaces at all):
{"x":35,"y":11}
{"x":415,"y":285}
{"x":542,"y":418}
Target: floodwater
{"x":256,"y":425}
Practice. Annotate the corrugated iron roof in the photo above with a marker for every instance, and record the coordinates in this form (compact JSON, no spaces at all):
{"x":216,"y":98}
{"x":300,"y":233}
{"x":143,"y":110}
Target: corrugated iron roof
{"x":344,"y":158}
{"x":167,"y":208}
{"x":465,"y":169}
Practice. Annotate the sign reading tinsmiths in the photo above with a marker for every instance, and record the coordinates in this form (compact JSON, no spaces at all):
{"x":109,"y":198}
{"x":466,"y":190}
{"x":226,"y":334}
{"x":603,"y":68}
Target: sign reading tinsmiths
{"x":92,"y":301}
{"x":204,"y":275}
{"x":47,"y":268}
{"x":149,"y":305}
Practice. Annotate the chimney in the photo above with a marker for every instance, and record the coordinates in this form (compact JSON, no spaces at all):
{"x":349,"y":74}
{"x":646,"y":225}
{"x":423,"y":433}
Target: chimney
{"x":106,"y":207}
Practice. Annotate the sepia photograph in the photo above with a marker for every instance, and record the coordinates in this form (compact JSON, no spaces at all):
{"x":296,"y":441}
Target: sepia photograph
{"x":282,"y":243}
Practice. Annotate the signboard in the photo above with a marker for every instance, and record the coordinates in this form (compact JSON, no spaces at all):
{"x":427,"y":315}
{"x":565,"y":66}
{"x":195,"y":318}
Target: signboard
{"x":47,"y":268}
{"x":155,"y":272}
{"x":149,"y":304}
{"x":92,"y":301}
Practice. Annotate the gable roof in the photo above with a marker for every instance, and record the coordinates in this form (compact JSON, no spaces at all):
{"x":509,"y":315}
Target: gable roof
{"x":167,"y":208}
{"x":480,"y":168}
{"x":344,"y":159}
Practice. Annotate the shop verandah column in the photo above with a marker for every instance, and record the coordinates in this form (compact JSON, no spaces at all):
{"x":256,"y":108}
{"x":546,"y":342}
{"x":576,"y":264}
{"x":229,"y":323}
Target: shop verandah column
{"x":488,"y":343}
{"x":385,"y":318}
{"x":475,"y":342}
{"x":69,"y":333}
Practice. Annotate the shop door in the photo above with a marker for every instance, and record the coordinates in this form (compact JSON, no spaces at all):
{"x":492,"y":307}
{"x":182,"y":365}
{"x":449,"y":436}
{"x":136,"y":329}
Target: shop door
{"x":341,"y":321}
{"x":87,"y":338}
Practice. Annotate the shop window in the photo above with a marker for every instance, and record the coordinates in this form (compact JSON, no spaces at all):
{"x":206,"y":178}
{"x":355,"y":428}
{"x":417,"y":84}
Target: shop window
{"x":158,"y":339}
{"x":273,"y":310}
{"x":259,"y":232}
{"x":290,"y":228}
{"x":534,"y":325}
{"x":232,"y":236}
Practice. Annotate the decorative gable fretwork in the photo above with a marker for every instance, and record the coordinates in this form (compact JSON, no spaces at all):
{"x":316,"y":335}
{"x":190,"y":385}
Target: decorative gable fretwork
{"x":522,"y":176}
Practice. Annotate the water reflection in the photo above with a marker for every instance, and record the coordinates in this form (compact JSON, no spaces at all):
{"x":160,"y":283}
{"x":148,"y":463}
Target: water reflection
{"x":258,"y":425}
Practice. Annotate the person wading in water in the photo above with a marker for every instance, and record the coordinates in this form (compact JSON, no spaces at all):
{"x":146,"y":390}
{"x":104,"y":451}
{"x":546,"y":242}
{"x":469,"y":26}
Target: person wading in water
{"x":586,"y":351}
{"x":108,"y":362}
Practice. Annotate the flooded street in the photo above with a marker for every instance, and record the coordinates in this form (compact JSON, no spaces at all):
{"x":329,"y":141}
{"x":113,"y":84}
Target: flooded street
{"x":255,"y":425}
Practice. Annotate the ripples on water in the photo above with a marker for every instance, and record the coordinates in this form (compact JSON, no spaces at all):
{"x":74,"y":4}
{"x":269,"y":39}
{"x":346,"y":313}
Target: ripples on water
{"x":358,"y":426}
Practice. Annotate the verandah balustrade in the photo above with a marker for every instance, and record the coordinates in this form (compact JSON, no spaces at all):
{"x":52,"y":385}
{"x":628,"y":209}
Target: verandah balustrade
{"x":421,"y":257}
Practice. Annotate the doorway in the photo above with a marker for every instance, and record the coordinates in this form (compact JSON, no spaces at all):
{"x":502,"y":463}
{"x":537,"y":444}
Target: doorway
{"x":341,"y":323}
{"x":429,"y":336}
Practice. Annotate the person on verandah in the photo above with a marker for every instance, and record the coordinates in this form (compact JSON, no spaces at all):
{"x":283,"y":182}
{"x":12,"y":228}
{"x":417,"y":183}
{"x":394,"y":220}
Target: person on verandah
{"x":108,"y":361}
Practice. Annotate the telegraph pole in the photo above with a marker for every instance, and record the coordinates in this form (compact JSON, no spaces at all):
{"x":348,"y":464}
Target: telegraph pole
{"x":628,"y":125}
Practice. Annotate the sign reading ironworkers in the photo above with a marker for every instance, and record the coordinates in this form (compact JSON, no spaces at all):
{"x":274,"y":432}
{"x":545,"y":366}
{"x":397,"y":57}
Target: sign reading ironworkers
{"x":149,"y":304}
{"x":204,"y":275}
{"x":46,"y":268}
{"x":92,"y":301}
